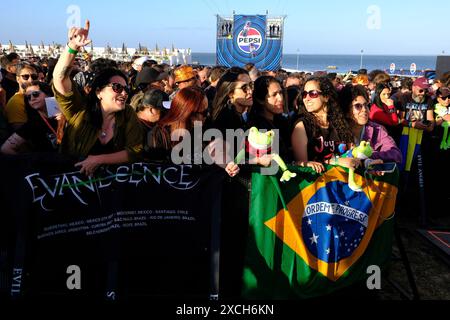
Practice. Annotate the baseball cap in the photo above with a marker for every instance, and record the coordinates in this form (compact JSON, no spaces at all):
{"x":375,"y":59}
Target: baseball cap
{"x":422,"y":83}
{"x":156,"y":98}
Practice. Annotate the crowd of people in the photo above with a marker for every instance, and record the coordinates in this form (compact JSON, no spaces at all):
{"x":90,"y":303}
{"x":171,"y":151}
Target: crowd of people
{"x":116,"y":112}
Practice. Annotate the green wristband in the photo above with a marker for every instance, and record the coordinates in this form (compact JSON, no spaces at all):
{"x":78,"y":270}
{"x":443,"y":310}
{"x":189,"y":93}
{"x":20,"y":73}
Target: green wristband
{"x":71,"y":51}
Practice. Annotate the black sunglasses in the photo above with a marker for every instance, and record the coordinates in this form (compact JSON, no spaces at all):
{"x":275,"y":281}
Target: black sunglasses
{"x":194,"y":78}
{"x":33,"y":94}
{"x":118,"y":88}
{"x":33,"y":76}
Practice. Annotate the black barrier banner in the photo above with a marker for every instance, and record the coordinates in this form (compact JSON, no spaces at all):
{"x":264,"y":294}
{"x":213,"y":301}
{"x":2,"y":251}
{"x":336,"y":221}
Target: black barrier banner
{"x":135,"y":229}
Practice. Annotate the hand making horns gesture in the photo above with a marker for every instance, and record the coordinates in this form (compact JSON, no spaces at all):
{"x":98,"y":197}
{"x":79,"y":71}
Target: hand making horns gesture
{"x":78,"y":37}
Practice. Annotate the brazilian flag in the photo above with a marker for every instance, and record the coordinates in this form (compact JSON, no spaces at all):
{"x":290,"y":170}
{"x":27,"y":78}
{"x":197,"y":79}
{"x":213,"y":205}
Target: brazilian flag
{"x":313,"y":235}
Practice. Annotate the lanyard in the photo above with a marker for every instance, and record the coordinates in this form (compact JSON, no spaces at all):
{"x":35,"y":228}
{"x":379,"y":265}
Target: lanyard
{"x":48,"y":124}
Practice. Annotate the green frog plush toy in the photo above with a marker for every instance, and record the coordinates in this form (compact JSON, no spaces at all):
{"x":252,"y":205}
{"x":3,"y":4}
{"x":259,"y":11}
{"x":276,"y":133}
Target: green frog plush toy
{"x":259,"y":144}
{"x":363,"y":151}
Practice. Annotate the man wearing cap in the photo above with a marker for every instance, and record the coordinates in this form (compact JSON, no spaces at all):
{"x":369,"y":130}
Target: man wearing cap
{"x":147,"y":78}
{"x":185,"y":77}
{"x":416,"y":107}
{"x":152,"y":107}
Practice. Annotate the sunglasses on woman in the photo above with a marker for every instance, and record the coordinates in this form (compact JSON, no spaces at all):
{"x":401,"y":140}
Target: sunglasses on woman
{"x":359,"y":106}
{"x":118,"y":88}
{"x":246,"y":87}
{"x":445,"y":98}
{"x":312,"y":94}
{"x":33,"y":94}
{"x":33,"y":76}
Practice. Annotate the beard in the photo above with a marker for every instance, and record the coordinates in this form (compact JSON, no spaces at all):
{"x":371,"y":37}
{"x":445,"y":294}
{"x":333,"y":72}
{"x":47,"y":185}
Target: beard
{"x":418,"y":99}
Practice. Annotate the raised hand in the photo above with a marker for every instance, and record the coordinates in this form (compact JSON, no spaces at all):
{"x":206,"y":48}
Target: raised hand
{"x":78,"y":37}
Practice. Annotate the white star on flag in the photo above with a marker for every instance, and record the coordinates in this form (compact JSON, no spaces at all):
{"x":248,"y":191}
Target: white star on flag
{"x":309,"y":221}
{"x":314,"y":239}
{"x":342,"y":233}
{"x":328,"y":228}
{"x":328,"y":251}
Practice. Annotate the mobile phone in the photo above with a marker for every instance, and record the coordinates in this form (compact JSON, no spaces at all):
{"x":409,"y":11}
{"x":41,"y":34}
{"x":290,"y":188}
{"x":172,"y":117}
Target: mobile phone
{"x":52,"y":106}
{"x":388,"y":167}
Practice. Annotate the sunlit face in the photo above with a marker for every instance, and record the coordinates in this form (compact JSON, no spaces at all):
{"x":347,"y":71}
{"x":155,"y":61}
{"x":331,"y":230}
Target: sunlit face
{"x":275,"y":99}
{"x":35,"y":97}
{"x":195,"y":81}
{"x":202,"y":75}
{"x":418,"y":92}
{"x":242,"y":94}
{"x":444,"y":101}
{"x":360,"y":111}
{"x":26,"y":76}
{"x":114,"y":96}
{"x":314,"y":104}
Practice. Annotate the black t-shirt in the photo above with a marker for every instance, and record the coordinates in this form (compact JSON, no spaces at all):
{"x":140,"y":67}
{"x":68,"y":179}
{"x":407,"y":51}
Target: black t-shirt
{"x":230,"y":119}
{"x":414,"y":111}
{"x":39,"y":136}
{"x":210,"y":94}
{"x":324,"y":146}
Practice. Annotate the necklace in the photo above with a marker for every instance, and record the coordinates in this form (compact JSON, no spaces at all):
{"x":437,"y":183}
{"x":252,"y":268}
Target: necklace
{"x":103,"y":133}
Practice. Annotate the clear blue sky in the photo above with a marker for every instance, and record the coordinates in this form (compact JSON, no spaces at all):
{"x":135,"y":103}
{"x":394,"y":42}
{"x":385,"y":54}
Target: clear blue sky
{"x":324,"y":27}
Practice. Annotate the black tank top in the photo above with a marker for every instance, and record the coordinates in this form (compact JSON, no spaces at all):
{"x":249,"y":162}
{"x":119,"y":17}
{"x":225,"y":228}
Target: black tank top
{"x":322,"y":147}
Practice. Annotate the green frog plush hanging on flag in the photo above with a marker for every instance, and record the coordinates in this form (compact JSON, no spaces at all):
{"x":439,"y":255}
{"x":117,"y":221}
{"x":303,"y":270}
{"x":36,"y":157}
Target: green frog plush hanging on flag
{"x":259,"y":144}
{"x":363,"y":152}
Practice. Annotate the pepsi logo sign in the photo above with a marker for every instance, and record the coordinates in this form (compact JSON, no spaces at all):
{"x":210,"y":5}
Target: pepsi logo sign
{"x":249,"y":40}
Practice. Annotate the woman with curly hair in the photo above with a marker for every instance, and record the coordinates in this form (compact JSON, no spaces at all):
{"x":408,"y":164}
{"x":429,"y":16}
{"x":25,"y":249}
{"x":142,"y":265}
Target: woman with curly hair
{"x":320,"y":127}
{"x":354,"y":103}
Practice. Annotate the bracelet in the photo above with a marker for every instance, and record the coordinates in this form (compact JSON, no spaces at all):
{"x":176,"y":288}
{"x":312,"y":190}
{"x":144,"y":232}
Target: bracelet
{"x":70,"y":50}
{"x":335,"y":160}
